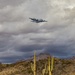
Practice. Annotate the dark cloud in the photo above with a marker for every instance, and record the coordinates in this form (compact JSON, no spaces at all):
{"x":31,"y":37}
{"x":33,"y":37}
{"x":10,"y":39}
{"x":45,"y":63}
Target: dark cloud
{"x":11,"y":59}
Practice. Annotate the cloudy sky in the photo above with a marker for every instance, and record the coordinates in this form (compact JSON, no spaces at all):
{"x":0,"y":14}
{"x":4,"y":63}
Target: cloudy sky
{"x":19,"y":37}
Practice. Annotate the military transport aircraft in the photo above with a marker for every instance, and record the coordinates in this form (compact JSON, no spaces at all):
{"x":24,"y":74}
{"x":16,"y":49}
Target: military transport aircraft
{"x":37,"y":20}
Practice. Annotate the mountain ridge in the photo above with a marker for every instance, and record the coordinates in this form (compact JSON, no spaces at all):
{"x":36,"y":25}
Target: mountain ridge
{"x":23,"y":67}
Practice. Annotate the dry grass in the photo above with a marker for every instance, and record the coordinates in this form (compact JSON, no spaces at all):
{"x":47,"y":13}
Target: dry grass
{"x":61,"y":67}
{"x":9,"y":71}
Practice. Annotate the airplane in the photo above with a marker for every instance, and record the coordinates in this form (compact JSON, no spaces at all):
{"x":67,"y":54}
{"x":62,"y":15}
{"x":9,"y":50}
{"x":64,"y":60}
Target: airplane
{"x":37,"y":20}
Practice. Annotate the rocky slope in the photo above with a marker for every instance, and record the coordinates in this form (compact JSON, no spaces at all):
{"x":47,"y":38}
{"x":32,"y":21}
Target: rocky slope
{"x":61,"y":66}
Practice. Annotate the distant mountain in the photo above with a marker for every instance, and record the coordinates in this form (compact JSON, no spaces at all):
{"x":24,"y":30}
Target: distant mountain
{"x":42,"y":56}
{"x":72,"y":58}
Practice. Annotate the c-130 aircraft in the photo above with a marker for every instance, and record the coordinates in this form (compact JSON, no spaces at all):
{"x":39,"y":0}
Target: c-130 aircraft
{"x":37,"y":20}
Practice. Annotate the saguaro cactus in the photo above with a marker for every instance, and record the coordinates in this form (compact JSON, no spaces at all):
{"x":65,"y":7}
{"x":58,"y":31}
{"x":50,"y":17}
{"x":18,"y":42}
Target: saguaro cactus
{"x":50,"y":65}
{"x":33,"y":66}
{"x":45,"y":70}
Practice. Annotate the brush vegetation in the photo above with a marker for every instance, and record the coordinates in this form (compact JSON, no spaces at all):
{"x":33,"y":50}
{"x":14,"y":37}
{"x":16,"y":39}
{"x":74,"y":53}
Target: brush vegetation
{"x":60,"y":67}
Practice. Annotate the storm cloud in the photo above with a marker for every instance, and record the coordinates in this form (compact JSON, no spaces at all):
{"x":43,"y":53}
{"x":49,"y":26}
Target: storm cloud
{"x":19,"y":37}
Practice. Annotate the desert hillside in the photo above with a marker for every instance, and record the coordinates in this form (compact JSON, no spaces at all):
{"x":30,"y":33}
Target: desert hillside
{"x":61,"y":66}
